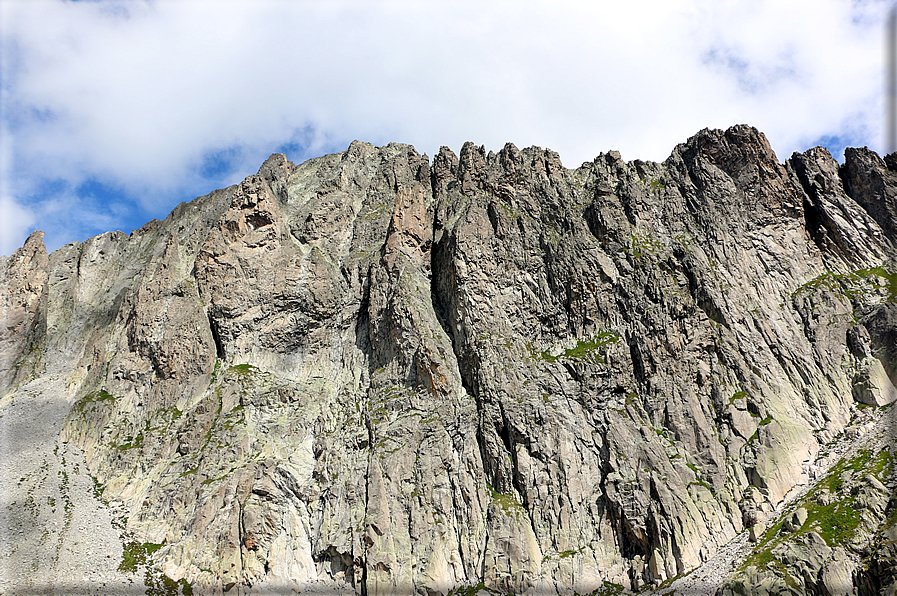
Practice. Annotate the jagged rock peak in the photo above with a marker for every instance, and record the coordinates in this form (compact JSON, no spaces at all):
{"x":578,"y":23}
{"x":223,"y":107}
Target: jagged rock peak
{"x":373,"y":374}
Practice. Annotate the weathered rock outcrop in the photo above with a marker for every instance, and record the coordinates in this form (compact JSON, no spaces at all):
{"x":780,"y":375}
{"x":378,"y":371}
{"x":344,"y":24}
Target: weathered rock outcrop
{"x":23,"y":288}
{"x":378,"y":374}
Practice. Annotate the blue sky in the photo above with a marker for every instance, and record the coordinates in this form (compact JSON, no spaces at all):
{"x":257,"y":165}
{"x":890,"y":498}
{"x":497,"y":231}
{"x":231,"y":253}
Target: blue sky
{"x":114,"y":111}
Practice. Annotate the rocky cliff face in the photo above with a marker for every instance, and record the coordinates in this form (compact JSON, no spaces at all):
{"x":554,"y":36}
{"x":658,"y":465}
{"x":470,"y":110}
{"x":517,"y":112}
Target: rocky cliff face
{"x":374,"y":373}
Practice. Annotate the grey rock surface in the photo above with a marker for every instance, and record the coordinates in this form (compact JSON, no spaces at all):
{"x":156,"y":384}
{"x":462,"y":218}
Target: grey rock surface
{"x":376,"y":373}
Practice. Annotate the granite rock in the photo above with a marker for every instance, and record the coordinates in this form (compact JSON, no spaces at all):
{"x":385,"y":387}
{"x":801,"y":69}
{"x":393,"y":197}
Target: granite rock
{"x":378,"y":373}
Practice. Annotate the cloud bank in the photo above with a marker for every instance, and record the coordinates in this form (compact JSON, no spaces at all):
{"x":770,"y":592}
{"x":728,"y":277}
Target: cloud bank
{"x":114,"y":111}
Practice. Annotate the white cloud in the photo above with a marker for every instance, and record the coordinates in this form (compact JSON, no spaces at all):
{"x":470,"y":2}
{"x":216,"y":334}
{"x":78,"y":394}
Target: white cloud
{"x":139,"y":93}
{"x":15,"y":222}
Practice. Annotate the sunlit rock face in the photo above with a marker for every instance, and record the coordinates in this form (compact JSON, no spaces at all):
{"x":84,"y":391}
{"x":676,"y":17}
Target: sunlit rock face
{"x":380,"y":373}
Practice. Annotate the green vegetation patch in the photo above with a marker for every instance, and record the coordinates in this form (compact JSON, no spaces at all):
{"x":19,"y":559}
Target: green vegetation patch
{"x":703,"y":484}
{"x":159,"y":584}
{"x":890,"y":280}
{"x":608,"y":589}
{"x":835,"y":522}
{"x":131,"y":442}
{"x":736,"y":396}
{"x":835,"y":480}
{"x":883,"y":465}
{"x":214,"y":378}
{"x":136,"y":555}
{"x":472,"y":590}
{"x":98,"y":488}
{"x":644,"y":244}
{"x":762,"y":556}
{"x":566,"y":554}
{"x":828,"y":280}
{"x":97,"y":397}
{"x":242,"y":369}
{"x":584,"y":351}
{"x":509,"y":505}
{"x":235,"y":417}
{"x":853,"y":284}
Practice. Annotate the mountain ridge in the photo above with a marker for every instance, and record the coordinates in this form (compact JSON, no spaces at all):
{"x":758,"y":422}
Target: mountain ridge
{"x":373,"y":373}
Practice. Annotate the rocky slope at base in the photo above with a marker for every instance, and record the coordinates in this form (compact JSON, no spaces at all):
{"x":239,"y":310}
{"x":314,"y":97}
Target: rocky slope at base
{"x":378,"y":374}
